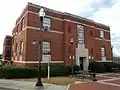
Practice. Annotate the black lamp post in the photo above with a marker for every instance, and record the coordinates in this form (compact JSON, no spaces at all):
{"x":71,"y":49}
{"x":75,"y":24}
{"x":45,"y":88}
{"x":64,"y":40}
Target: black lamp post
{"x":71,"y":41}
{"x":41,"y":14}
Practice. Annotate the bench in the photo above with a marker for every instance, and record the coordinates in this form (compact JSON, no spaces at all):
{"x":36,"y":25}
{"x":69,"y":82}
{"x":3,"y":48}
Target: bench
{"x":115,"y":70}
{"x":86,"y":75}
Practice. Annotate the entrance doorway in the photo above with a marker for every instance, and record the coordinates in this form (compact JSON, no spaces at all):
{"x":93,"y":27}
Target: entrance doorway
{"x":81,"y":62}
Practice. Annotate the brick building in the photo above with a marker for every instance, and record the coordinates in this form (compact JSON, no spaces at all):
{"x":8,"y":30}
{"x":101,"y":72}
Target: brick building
{"x":91,"y":40}
{"x":7,"y":47}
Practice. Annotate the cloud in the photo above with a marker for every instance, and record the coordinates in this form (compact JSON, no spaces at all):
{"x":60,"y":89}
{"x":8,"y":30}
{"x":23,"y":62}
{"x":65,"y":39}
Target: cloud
{"x":96,"y":5}
{"x":107,"y":12}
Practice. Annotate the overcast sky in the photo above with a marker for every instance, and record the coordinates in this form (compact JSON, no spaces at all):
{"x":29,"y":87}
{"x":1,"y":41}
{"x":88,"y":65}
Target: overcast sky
{"x":103,"y":11}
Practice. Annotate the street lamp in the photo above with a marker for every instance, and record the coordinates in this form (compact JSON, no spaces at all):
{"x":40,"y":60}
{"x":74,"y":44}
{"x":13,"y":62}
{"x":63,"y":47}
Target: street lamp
{"x":42,"y":15}
{"x":71,"y":41}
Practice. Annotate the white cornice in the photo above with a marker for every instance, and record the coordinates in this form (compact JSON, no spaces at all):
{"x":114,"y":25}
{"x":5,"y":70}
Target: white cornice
{"x":63,"y":20}
{"x":103,"y":40}
{"x":30,"y":27}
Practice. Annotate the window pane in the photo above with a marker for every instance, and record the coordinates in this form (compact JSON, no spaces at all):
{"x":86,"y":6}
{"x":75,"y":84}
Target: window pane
{"x":102,"y":51}
{"x":46,"y":47}
{"x":80,"y":27}
{"x":81,"y":41}
{"x":101,"y":34}
{"x":46,"y":20}
{"x":46,"y":23}
{"x":80,"y":34}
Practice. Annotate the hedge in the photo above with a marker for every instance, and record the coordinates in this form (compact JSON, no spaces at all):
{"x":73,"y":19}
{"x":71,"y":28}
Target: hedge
{"x":24,"y":72}
{"x":102,"y":67}
{"x":58,"y":70}
{"x":75,"y":68}
{"x":17,"y":72}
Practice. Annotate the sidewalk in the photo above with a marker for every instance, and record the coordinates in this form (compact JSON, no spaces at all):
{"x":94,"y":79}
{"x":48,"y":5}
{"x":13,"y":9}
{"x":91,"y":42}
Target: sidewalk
{"x":6,"y":84}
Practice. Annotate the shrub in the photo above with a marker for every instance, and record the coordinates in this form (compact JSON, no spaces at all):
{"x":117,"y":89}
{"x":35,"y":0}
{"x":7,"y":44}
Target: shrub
{"x":58,"y":70}
{"x":20,"y":72}
{"x":97,"y":67}
{"x":75,"y":68}
{"x":24,"y":72}
{"x":101,"y":67}
{"x":17,"y":72}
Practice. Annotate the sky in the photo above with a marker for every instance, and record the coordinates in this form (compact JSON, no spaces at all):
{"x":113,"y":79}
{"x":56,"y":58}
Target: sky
{"x":102,"y":11}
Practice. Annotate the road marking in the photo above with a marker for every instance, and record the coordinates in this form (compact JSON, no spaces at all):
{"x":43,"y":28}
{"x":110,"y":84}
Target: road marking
{"x":112,"y":84}
{"x":67,"y":88}
{"x":109,"y":79}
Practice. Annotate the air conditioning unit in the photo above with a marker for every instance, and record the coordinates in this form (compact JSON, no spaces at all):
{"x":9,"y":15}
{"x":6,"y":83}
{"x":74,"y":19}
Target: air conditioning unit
{"x":46,"y":28}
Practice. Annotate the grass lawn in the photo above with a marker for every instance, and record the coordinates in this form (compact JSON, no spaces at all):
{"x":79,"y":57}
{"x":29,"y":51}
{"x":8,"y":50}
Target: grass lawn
{"x":59,"y":80}
{"x":56,"y":80}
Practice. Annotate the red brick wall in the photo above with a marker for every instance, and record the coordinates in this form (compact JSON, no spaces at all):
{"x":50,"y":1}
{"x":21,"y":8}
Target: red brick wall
{"x":60,"y":42}
{"x":7,"y":46}
{"x":56,"y":44}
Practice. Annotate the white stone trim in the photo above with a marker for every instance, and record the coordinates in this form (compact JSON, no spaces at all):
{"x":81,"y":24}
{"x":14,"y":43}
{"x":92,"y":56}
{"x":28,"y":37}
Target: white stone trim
{"x":65,"y":13}
{"x":29,"y":27}
{"x":86,"y":25}
{"x":62,"y":20}
{"x":53,"y":31}
{"x":55,"y":18}
{"x":56,"y":31}
{"x":37,"y":61}
{"x":103,"y":39}
{"x":104,"y":61}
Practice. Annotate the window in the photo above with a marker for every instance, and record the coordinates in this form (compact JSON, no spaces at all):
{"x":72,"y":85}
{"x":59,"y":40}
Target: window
{"x":91,"y":33}
{"x":17,"y":49}
{"x":69,"y":29}
{"x":22,"y":23}
{"x":8,"y":54}
{"x":8,"y":42}
{"x":21,"y":47}
{"x":91,"y":51}
{"x":46,"y":23}
{"x":102,"y":51}
{"x":101,"y":34}
{"x":80,"y":34}
{"x":80,"y":29}
{"x":69,"y":49}
{"x":13,"y":40}
{"x":46,"y":47}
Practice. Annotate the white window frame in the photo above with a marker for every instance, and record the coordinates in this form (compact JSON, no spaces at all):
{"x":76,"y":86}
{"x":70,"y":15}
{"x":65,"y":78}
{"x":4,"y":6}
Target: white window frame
{"x":46,"y":23}
{"x":21,"y":47}
{"x":102,"y":51}
{"x":80,"y":29}
{"x":46,"y":47}
{"x":101,"y":34}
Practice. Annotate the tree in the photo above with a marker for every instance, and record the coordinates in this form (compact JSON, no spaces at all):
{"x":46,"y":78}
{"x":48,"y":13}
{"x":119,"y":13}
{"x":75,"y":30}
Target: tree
{"x":0,"y":56}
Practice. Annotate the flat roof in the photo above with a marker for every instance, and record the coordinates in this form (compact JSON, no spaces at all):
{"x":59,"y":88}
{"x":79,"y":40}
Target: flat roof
{"x":65,"y":13}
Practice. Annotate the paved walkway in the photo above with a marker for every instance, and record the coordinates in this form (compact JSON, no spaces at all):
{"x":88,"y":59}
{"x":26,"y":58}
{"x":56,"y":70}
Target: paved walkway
{"x":25,"y":85}
{"x":105,"y":82}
